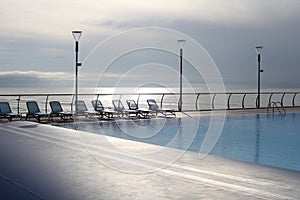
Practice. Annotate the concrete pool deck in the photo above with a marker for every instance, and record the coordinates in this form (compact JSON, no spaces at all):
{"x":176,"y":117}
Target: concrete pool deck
{"x":236,"y":112}
{"x":45,"y":162}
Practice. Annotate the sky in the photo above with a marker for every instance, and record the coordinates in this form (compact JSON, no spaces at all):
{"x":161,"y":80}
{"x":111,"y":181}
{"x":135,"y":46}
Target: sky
{"x":37,"y":47}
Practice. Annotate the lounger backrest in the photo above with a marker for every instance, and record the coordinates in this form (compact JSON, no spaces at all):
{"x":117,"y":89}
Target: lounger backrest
{"x":97,"y":105}
{"x":32,"y":107}
{"x":81,"y":107}
{"x":152,"y":104}
{"x":4,"y":108}
{"x":118,"y":105}
{"x":56,"y":107}
{"x":132,"y":105}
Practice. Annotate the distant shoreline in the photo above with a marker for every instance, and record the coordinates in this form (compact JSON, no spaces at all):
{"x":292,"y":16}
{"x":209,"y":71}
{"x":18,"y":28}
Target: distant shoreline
{"x":70,"y":90}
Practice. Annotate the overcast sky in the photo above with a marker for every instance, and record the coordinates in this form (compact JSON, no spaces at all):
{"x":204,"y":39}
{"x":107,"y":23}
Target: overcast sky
{"x":37,"y":48}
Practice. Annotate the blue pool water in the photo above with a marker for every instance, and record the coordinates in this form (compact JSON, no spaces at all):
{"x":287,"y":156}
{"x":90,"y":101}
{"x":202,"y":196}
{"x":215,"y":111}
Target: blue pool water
{"x":263,"y":139}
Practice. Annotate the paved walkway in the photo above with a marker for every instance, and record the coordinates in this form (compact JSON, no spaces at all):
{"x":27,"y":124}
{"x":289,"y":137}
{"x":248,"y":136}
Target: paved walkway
{"x":44,"y":162}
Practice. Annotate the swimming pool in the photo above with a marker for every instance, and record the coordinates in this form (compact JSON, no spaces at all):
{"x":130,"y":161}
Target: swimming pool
{"x":261,"y":138}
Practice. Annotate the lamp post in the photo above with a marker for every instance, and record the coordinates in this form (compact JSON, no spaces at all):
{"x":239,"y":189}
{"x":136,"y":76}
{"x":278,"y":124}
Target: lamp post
{"x":258,"y":51}
{"x":180,"y":44}
{"x":76,"y":35}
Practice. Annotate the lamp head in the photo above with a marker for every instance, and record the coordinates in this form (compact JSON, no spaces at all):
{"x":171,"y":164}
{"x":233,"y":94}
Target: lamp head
{"x":76,"y":35}
{"x":181,"y":43}
{"x":258,"y":49}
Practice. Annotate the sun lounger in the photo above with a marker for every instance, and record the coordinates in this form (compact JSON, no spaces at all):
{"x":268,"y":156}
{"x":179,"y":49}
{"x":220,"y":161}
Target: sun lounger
{"x":34,"y":111}
{"x":99,"y":108}
{"x":57,"y":111}
{"x":154,"y":107}
{"x":142,"y":112}
{"x":5,"y":111}
{"x":118,"y":106}
{"x":83,"y":110}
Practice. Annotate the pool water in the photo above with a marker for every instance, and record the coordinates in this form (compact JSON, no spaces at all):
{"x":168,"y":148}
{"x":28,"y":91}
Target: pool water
{"x":261,"y":138}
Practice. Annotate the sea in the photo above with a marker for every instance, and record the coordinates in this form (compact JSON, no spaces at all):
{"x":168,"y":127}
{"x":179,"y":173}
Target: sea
{"x":107,"y":90}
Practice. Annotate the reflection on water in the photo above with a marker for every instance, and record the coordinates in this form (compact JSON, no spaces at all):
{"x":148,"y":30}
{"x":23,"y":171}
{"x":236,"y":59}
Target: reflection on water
{"x":257,"y":143}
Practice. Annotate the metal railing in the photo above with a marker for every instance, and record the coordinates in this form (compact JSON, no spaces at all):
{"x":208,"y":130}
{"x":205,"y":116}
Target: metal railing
{"x":191,"y":101}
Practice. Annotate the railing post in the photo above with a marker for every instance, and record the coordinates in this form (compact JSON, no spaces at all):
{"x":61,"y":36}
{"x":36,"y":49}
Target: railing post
{"x":196,"y":103}
{"x":294,"y":97}
{"x":161,"y":100}
{"x":46,"y":103}
{"x":72,"y":101}
{"x":281,"y":102}
{"x":18,"y":107}
{"x":228,"y":101}
{"x":138,"y":99}
{"x":213,"y":101}
{"x":270,"y":98}
{"x":243,"y":101}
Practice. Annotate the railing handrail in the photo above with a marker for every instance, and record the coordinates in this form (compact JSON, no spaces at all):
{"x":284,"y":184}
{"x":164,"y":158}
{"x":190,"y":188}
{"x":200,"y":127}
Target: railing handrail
{"x":142,"y":93}
{"x":163,"y":95}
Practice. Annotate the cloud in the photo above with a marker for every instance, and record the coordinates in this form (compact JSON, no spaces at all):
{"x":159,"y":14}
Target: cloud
{"x":56,"y":18}
{"x":36,"y":35}
{"x":35,"y":79}
{"x":142,"y":13}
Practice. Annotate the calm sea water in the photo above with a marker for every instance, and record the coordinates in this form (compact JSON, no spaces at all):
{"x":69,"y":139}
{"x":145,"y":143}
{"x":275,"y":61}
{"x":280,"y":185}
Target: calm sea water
{"x":70,"y":90}
{"x":169,"y":101}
